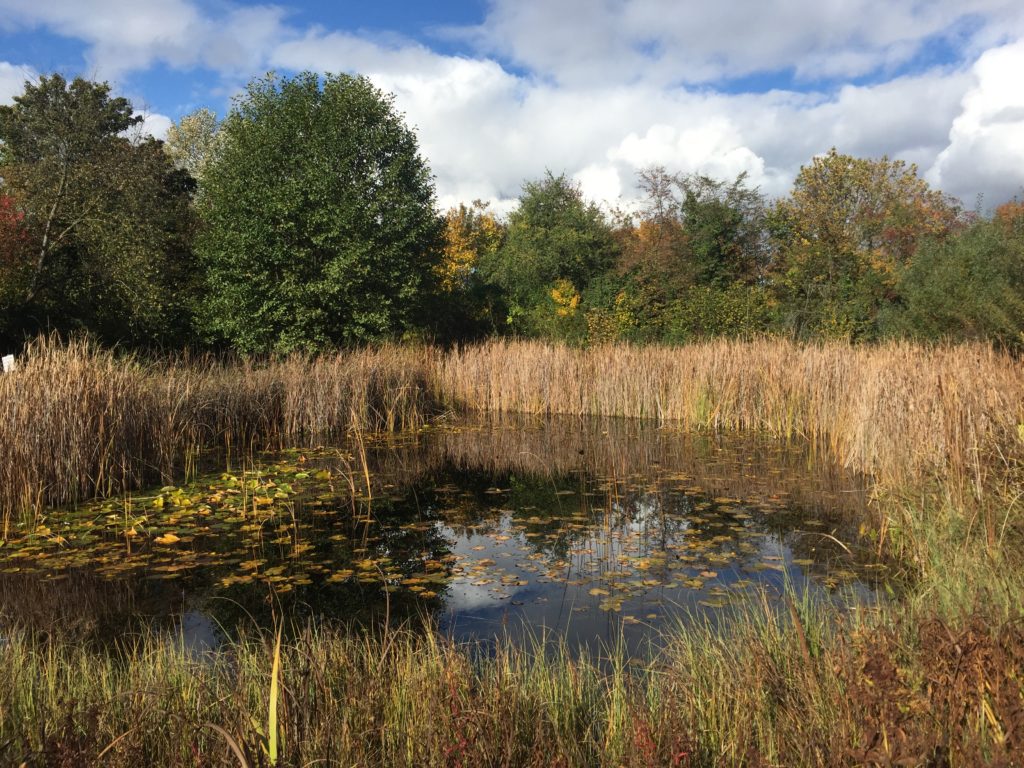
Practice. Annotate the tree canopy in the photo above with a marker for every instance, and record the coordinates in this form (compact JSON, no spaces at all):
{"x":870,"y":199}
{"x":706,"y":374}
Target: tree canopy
{"x":319,"y":220}
{"x":102,"y":217}
{"x":844,"y":232}
{"x":192,"y":142}
{"x":556,"y":243}
{"x":306,"y":220}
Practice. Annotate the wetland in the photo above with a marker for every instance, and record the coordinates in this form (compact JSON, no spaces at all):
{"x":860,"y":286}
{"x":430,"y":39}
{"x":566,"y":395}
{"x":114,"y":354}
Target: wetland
{"x":731,"y":553}
{"x":590,"y":532}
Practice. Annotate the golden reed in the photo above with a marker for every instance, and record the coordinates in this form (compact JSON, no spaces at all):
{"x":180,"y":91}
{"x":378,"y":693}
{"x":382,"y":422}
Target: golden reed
{"x":895,"y":411}
{"x":79,"y":421}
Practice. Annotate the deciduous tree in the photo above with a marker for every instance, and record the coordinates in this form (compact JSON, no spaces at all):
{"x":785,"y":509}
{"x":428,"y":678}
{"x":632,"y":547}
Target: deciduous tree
{"x":104,"y":214}
{"x":192,"y":142}
{"x":319,"y":220}
{"x":842,"y":234}
{"x":556,"y":241}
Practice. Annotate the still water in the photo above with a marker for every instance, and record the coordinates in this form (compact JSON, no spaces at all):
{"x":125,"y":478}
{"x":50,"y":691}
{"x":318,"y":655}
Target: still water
{"x":598,"y":532}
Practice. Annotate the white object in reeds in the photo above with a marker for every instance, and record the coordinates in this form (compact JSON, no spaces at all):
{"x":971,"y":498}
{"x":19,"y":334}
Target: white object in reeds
{"x":8,"y":361}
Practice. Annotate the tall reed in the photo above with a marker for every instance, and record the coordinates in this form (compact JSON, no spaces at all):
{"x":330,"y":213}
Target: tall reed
{"x":76,"y":420}
{"x":896,"y":411}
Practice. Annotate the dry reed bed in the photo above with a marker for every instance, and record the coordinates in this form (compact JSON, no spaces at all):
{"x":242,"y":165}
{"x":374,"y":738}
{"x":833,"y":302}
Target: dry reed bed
{"x":897,"y":411}
{"x":77,"y":421}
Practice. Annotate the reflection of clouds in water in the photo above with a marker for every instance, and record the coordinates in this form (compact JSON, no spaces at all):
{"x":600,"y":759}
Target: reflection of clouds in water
{"x":644,"y":560}
{"x":464,"y":597}
{"x":627,"y":519}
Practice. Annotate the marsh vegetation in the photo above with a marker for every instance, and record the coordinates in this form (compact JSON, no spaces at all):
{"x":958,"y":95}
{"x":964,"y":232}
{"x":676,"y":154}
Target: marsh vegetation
{"x":516,"y":554}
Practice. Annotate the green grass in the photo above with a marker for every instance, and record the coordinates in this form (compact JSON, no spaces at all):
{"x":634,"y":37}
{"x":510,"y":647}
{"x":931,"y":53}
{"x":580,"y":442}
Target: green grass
{"x":862,"y":690}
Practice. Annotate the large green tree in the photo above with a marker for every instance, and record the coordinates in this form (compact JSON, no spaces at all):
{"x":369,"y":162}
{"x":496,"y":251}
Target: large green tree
{"x":102,"y":216}
{"x":319,"y":225}
{"x":966,"y":287}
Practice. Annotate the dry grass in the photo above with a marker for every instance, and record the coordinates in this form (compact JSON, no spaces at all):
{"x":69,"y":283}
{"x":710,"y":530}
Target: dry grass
{"x":76,"y":421}
{"x":938,"y":427}
{"x":897,"y":411}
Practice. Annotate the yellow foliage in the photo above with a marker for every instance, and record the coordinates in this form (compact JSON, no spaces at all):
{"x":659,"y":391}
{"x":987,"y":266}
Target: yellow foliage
{"x":469,"y":233}
{"x":566,"y":298}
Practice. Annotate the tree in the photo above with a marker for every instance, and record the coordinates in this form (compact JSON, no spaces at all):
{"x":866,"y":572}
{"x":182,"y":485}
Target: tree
{"x":842,"y":235}
{"x":319,"y":221}
{"x":105,"y":216}
{"x":652,"y":242}
{"x":697,"y":230}
{"x":966,"y":287}
{"x":470,"y":234}
{"x":556,"y":243}
{"x":192,"y":142}
{"x":695,"y":240}
{"x":467,"y":307}
{"x":725,"y":230}
{"x":15,"y":258}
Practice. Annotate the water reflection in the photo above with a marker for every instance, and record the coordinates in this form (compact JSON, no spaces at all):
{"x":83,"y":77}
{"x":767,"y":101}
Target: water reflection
{"x":589,"y":531}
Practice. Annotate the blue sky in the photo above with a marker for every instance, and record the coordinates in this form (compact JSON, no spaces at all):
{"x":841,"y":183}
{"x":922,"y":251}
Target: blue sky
{"x":500,"y":90}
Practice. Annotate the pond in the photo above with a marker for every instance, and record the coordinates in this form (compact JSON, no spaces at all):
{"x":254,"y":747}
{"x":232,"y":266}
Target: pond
{"x":597,"y":532}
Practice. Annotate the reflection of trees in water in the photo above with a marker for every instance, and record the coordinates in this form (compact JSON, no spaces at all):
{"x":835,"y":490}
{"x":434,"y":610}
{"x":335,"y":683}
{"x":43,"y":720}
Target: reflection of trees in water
{"x":82,"y":606}
{"x":627,"y":481}
{"x":86,"y":602}
{"x":782,"y":485}
{"x":746,"y":466}
{"x":335,"y":544}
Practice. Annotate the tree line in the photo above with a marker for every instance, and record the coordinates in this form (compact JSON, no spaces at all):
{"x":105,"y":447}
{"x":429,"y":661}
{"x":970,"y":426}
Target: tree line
{"x":307,"y":219}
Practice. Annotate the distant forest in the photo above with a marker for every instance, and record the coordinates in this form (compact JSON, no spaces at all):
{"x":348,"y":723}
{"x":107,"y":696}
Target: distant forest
{"x":307,"y":220}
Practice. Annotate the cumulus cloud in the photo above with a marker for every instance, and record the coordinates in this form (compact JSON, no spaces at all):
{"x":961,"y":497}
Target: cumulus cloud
{"x":692,"y":41}
{"x":986,"y":141}
{"x":129,"y":35}
{"x":486,"y":131}
{"x":600,"y":89}
{"x":486,"y":128}
{"x":154,"y":124}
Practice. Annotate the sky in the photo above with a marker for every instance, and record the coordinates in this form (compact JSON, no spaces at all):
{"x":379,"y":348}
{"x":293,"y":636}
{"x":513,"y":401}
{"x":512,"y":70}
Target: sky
{"x":501,"y":91}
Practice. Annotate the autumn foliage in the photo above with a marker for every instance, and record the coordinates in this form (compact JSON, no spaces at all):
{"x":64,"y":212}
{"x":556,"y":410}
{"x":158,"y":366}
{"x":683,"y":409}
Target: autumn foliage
{"x":255,"y":233}
{"x":14,"y":251}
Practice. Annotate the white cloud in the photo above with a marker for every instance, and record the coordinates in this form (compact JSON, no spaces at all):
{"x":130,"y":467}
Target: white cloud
{"x":600,"y":182}
{"x":130,"y":35}
{"x":592,"y":87}
{"x":154,"y":124}
{"x":12,"y":80}
{"x":485,"y":130}
{"x":986,"y":140}
{"x":714,"y":147}
{"x":672,"y":41}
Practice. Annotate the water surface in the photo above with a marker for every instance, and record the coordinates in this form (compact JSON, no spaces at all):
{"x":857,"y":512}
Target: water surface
{"x":597,"y":532}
